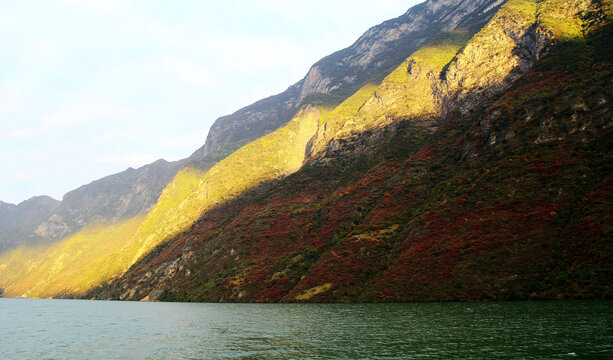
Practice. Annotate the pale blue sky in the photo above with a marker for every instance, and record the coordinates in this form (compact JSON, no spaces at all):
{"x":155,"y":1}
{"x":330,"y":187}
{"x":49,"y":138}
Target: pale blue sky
{"x":89,"y":88}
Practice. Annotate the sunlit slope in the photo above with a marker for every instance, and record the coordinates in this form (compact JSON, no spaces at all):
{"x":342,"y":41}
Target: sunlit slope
{"x":411,"y":90}
{"x":333,"y":118}
{"x":275,"y":155}
{"x":407,"y":92}
{"x":186,"y":181}
{"x":16,"y":263}
{"x":458,"y":69}
{"x":519,"y":35}
{"x":72,"y":266}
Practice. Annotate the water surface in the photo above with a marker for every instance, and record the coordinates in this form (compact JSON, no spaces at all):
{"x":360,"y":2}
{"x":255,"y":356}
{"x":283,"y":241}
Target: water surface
{"x":72,"y":329}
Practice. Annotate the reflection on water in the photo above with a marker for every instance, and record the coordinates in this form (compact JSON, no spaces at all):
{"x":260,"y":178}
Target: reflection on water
{"x":70,"y":329}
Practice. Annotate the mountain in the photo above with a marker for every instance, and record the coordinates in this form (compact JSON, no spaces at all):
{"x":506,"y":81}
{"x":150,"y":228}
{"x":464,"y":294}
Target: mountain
{"x":337,"y":76}
{"x":479,"y":169}
{"x":42,"y":220}
{"x":475,"y":167}
{"x":18,"y":222}
{"x":331,"y":80}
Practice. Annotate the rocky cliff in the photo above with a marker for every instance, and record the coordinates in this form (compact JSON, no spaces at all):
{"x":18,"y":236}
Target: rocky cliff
{"x":335,"y":77}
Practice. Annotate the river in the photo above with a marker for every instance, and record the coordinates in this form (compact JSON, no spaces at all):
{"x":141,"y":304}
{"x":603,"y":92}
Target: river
{"x":73,"y":329}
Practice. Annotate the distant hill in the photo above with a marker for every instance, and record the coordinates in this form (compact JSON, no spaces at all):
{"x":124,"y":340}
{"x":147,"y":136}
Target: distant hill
{"x":110,"y":199}
{"x":18,"y":222}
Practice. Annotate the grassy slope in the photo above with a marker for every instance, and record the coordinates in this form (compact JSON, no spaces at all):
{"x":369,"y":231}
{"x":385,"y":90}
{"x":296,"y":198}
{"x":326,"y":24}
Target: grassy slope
{"x":409,"y":90}
{"x":333,"y":118}
{"x":510,"y":201}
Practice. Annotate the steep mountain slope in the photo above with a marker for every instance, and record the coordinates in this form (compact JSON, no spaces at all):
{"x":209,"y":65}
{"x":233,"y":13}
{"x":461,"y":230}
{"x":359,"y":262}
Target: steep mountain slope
{"x":413,"y":187}
{"x":273,"y":156}
{"x":483,"y":192}
{"x":18,"y":222}
{"x":374,"y":55}
{"x":334,"y":78}
{"x":452,"y":73}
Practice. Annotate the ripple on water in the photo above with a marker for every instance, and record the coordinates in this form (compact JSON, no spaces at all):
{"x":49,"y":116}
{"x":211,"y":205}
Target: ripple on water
{"x":65,"y":329}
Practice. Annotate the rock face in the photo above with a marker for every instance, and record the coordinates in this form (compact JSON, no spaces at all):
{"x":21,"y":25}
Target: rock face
{"x":18,"y":222}
{"x":456,"y":71}
{"x":377,"y":52}
{"x":115,"y":197}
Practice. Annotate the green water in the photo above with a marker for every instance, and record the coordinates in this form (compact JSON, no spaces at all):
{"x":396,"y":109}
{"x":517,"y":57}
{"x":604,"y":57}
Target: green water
{"x":66,"y":329}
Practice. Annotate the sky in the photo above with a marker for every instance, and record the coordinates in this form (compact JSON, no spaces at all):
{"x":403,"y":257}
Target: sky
{"x":90,"y":88}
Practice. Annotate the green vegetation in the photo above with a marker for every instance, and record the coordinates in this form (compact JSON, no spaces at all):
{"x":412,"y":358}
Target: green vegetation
{"x":332,"y":119}
{"x":436,"y":54}
{"x":409,"y":90}
{"x":520,"y":9}
{"x":320,"y":100}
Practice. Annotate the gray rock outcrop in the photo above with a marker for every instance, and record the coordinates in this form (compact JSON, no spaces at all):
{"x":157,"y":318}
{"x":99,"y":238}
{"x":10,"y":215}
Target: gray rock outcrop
{"x":377,"y":52}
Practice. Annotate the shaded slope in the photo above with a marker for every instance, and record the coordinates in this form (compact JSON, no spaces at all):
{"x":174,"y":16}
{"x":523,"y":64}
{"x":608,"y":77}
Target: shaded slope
{"x":508,"y":199}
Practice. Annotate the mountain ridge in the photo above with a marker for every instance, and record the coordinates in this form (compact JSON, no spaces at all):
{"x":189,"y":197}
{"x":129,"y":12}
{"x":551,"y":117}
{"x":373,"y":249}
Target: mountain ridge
{"x":386,"y":44}
{"x":112,"y":198}
{"x":140,"y":241}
